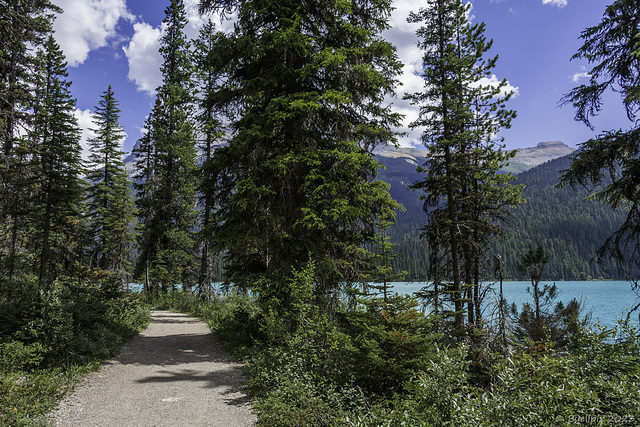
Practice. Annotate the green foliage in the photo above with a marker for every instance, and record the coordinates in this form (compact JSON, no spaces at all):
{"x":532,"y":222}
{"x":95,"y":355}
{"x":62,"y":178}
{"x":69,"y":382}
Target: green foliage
{"x":75,"y":319}
{"x":382,"y":365}
{"x":293,"y":390}
{"x":26,"y":398}
{"x":209,"y":123}
{"x":18,"y":356}
{"x":391,"y":339}
{"x":54,"y":152}
{"x":544,"y":321}
{"x":110,"y":203}
{"x":466,"y":199}
{"x":49,"y":336}
{"x":382,"y":271}
{"x":303,"y":89}
{"x":541,"y":389}
{"x":24,"y":26}
{"x":166,"y":191}
{"x":614,"y":154}
{"x":554,"y":217}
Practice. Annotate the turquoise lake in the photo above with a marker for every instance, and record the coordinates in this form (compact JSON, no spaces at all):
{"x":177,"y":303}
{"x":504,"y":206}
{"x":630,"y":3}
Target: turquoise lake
{"x":606,"y":300}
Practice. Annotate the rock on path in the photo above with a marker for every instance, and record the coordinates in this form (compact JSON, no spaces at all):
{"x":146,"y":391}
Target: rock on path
{"x":175,"y":373}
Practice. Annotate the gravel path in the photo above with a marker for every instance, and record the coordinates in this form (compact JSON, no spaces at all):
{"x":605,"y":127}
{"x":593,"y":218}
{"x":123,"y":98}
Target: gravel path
{"x":175,"y":373}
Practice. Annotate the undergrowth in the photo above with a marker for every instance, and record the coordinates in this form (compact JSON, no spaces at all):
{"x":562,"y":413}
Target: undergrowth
{"x":381,"y":364}
{"x":49,"y":337}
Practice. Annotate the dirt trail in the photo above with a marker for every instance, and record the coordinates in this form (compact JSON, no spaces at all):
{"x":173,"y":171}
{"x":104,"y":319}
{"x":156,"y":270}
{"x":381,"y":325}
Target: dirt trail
{"x":175,"y":373}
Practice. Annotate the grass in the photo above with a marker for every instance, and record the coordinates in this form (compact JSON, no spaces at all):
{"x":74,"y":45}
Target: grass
{"x":27,"y":397}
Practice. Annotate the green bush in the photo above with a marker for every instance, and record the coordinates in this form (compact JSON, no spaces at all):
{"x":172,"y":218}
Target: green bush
{"x":596,"y":385}
{"x":49,"y":335}
{"x":381,"y":364}
{"x":18,"y":356}
{"x":391,"y":341}
{"x":25,"y":398}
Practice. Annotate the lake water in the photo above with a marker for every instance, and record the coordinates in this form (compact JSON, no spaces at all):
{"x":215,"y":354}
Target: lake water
{"x":606,"y":300}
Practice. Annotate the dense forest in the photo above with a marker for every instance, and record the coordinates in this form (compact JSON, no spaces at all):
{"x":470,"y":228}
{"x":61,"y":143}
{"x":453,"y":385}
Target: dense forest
{"x":258,"y":157}
{"x":569,"y":226}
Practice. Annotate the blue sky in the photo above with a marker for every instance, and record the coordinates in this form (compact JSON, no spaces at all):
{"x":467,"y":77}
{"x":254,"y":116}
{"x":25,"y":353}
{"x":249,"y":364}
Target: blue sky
{"x":116,"y":41}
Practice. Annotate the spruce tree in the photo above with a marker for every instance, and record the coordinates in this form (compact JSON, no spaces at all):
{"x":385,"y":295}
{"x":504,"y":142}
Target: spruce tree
{"x":207,"y":81}
{"x":548,"y":320}
{"x":383,"y":270}
{"x":613,"y":157}
{"x":168,"y":203}
{"x":110,"y":207}
{"x":303,"y":88}
{"x":465,"y":197}
{"x":144,"y":184}
{"x":24,"y":27}
{"x":55,"y":140}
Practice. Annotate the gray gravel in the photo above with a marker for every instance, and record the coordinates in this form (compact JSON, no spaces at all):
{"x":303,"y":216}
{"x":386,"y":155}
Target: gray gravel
{"x":175,"y":373}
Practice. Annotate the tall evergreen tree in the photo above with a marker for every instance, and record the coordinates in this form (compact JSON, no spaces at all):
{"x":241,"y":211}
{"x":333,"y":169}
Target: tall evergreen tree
{"x":383,"y":271}
{"x":24,"y":27}
{"x":144,"y":184}
{"x":168,"y":207}
{"x":111,"y":205}
{"x":59,"y":188}
{"x":207,"y":81}
{"x":612,"y":47}
{"x":465,"y":196}
{"x":304,"y":83}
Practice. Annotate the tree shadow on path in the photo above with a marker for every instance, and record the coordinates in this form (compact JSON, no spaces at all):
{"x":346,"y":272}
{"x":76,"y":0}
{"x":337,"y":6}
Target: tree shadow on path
{"x":180,"y":349}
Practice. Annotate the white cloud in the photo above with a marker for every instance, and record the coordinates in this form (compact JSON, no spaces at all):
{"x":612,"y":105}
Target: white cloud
{"x":85,"y":122}
{"x":87,"y":25}
{"x":403,"y":36}
{"x":581,"y":75}
{"x":142,"y":50}
{"x":559,"y":3}
{"x":494,"y":81}
{"x":144,"y":58}
{"x":196,"y":21}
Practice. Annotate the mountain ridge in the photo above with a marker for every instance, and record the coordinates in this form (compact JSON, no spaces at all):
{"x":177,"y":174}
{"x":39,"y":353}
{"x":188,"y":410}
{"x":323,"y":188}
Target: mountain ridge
{"x":525,"y":158}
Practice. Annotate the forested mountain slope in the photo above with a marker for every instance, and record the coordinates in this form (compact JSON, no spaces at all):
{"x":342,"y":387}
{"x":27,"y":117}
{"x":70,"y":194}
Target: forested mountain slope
{"x":569,"y":227}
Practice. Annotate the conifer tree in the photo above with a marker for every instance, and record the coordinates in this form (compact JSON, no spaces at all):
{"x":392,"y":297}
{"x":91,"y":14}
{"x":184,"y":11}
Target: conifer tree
{"x":465,"y":197}
{"x":383,"y":271}
{"x":303,"y":87}
{"x":59,"y":189}
{"x":24,"y":27}
{"x":614,"y":156}
{"x":207,"y":81}
{"x":111,"y":207}
{"x":168,"y":207}
{"x":547,"y":320}
{"x":144,"y":184}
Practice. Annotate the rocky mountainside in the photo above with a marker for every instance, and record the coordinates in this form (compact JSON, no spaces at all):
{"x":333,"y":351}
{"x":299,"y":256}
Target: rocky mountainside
{"x":526,"y":158}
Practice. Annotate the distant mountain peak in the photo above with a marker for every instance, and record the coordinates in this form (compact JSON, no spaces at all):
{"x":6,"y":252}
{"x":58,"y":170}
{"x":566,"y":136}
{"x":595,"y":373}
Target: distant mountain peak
{"x":543,"y":152}
{"x":525,"y":158}
{"x":548,"y":144}
{"x":411,"y":155}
